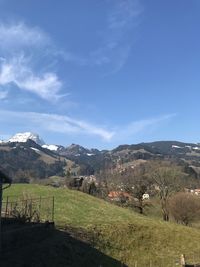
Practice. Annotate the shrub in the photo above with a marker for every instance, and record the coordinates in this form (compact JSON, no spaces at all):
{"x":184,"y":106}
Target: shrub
{"x":184,"y":207}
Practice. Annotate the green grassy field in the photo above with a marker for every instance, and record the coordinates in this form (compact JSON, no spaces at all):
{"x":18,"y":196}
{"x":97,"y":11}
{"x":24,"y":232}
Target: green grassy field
{"x":118,"y":232}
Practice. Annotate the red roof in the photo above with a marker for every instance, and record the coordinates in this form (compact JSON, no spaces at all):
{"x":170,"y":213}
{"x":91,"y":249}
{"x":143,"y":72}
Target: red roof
{"x":115,"y":194}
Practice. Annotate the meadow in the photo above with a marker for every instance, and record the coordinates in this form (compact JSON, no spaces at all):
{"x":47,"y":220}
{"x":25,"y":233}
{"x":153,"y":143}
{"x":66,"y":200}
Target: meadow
{"x":115,"y":231}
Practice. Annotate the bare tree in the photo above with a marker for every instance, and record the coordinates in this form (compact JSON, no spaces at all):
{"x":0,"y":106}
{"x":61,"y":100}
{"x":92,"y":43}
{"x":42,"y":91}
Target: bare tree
{"x":184,"y":207}
{"x":137,"y":184}
{"x":167,"y":178}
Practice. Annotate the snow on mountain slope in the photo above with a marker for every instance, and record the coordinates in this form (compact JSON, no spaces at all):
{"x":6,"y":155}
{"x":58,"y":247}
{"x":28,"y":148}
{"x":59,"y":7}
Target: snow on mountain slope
{"x":174,"y":146}
{"x":24,"y":137}
{"x":35,"y":149}
{"x":51,"y":147}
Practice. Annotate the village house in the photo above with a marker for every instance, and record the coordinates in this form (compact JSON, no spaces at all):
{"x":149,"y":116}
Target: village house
{"x":145,"y":196}
{"x":195,"y":191}
{"x":119,"y":195}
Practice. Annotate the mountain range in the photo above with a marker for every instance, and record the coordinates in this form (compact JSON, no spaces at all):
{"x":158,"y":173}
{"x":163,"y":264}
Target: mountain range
{"x":25,"y":157}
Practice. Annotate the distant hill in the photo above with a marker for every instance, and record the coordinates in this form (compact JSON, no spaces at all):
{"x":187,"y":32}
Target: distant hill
{"x":186,"y":153}
{"x":26,"y":161}
{"x":25,"y":157}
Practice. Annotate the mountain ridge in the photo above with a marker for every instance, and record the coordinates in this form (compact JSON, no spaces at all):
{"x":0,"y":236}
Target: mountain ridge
{"x":23,"y":137}
{"x":29,"y":158}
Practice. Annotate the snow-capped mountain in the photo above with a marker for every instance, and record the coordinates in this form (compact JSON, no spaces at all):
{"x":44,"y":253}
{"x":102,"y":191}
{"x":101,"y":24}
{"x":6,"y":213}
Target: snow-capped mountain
{"x":72,"y":150}
{"x":27,"y":152}
{"x":24,"y":137}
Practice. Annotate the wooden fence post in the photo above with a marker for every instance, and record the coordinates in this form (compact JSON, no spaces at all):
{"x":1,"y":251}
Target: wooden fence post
{"x":53,"y":209}
{"x":6,"y":212}
{"x":193,"y":258}
{"x":40,"y":203}
{"x":31,"y":208}
{"x":182,"y":260}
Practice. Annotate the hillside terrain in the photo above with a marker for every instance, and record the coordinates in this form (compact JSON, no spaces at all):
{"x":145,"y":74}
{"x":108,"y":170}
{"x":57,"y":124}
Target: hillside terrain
{"x":26,"y":161}
{"x":26,"y":157}
{"x":119,"y":233}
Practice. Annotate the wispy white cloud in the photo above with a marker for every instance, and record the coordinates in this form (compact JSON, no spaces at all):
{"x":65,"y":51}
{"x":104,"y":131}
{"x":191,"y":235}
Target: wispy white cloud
{"x":141,"y":126}
{"x":15,"y":36}
{"x":116,"y":45}
{"x":70,"y":57}
{"x":123,"y":13}
{"x":22,"y":64}
{"x":114,"y":40}
{"x":34,"y":121}
{"x":3,"y":94}
{"x":55,"y":123}
{"x":16,"y":71}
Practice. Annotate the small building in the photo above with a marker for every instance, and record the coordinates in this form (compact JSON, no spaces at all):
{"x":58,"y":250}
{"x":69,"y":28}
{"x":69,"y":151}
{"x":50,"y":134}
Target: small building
{"x":145,"y":196}
{"x":197,"y":191}
{"x":119,"y":196}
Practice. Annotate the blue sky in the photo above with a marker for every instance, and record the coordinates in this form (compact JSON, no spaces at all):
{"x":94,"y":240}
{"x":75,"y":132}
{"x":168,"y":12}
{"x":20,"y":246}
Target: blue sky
{"x":100,"y":73}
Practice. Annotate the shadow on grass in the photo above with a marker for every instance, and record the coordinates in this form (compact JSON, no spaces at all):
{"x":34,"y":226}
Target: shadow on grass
{"x":43,"y":246}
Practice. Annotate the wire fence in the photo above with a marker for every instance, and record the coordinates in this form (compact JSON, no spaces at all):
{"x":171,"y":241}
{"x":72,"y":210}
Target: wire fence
{"x":191,"y":260}
{"x":41,"y":209}
{"x":160,"y":263}
{"x":29,"y":209}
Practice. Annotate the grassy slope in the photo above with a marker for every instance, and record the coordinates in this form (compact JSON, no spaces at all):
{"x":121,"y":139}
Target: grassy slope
{"x":118,"y":232}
